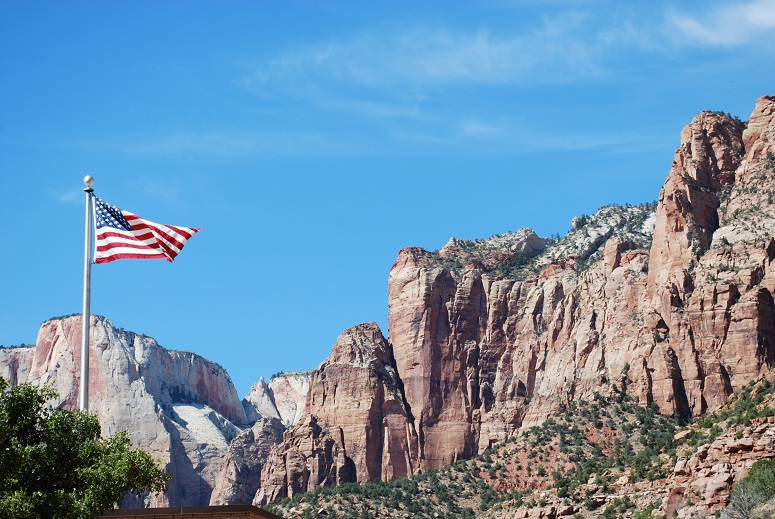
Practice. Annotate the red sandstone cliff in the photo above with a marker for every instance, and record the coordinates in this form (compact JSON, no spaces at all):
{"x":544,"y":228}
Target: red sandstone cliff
{"x":356,"y":407}
{"x":494,"y":335}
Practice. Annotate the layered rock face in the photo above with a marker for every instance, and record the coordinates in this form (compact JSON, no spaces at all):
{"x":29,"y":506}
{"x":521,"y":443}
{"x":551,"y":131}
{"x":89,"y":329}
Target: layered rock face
{"x":708,"y":259}
{"x":672,"y":303}
{"x":681,"y":324}
{"x":178,"y":406}
{"x":702,"y":483}
{"x":357,"y":420}
{"x":284,"y":397}
{"x":358,"y":389}
{"x":480,"y":355}
{"x":309,"y":457}
{"x":710,"y":271}
{"x":240,"y":476}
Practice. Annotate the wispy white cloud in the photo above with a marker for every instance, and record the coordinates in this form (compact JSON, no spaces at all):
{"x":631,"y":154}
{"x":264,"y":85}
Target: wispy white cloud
{"x":504,"y":137}
{"x":427,"y":58}
{"x":67,"y":196}
{"x":565,"y":45}
{"x":479,"y":128}
{"x":227,"y":144}
{"x":476,"y":134}
{"x":409,"y":109}
{"x":726,"y":25}
{"x":403,"y":90}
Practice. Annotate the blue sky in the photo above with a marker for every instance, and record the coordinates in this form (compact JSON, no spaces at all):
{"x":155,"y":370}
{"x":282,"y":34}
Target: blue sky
{"x":313,"y":140}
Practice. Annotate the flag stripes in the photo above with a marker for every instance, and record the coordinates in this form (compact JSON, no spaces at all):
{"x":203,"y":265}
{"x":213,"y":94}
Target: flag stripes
{"x":125,"y":235}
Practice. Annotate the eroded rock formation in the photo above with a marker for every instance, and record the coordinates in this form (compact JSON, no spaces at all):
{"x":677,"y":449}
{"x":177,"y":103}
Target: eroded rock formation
{"x":357,"y":402}
{"x":240,"y":476}
{"x":284,"y":397}
{"x":672,"y":304}
{"x":702,"y":482}
{"x":180,"y":407}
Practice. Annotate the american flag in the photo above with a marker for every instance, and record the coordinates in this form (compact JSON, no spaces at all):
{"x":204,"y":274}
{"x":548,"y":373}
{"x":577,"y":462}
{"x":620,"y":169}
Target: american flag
{"x":123,"y":235}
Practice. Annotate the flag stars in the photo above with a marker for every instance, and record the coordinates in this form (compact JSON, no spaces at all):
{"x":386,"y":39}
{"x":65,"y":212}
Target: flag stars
{"x":110,"y":216}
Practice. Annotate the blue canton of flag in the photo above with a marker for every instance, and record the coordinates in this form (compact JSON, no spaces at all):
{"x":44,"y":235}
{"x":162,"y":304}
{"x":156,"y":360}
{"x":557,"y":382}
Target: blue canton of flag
{"x":109,"y":215}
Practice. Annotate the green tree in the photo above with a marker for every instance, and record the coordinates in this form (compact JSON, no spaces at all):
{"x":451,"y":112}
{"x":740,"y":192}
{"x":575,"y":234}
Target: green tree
{"x":754,"y":489}
{"x":54,"y":463}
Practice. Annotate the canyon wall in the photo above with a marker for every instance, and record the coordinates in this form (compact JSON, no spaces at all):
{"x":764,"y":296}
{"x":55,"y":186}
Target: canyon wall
{"x":358,"y":427}
{"x":180,"y":407}
{"x":672,"y":304}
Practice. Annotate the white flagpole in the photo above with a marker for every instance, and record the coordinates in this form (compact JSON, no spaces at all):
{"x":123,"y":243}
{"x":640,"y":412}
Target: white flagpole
{"x":84,"y":393}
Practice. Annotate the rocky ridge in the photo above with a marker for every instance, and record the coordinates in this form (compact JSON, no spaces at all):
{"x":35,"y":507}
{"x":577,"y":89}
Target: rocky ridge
{"x":180,"y":407}
{"x":239,"y":477}
{"x":605,"y":458}
{"x":676,"y":317}
{"x":284,"y":397}
{"x":359,"y":410}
